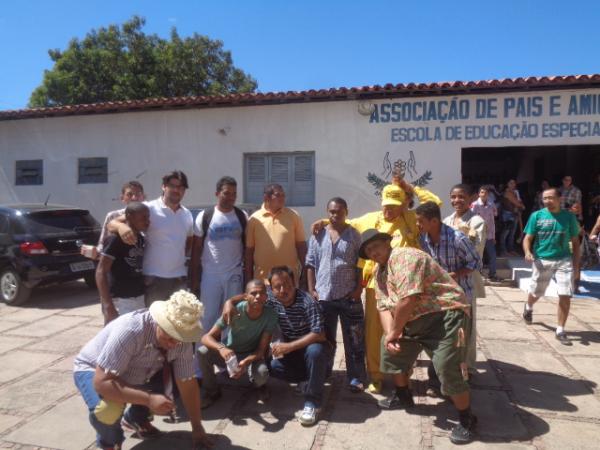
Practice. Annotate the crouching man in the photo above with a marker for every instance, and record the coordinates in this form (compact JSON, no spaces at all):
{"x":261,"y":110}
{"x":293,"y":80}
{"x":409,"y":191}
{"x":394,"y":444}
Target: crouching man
{"x":248,"y":340}
{"x":304,"y":354}
{"x":131,"y":361}
{"x":421,"y":308}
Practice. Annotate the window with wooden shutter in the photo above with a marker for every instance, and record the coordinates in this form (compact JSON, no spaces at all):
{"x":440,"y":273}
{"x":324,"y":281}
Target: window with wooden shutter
{"x":255,"y":177}
{"x":294,"y":171}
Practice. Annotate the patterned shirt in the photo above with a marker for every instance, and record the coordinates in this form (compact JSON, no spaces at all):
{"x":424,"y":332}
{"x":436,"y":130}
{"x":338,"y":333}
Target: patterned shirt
{"x":487,"y":212}
{"x":569,"y":197}
{"x":454,"y":251}
{"x":300,"y":318}
{"x":412,"y":272}
{"x":334,"y":264}
{"x":128,"y":347}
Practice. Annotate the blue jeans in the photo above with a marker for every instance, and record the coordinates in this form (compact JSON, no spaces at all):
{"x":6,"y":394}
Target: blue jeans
{"x":352,"y":319}
{"x":490,"y":251}
{"x":507,"y":236}
{"x":109,"y":435}
{"x":310,"y":363}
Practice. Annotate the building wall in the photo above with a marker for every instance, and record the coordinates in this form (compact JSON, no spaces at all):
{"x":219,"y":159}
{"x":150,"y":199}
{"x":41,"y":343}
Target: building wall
{"x":349,"y":138}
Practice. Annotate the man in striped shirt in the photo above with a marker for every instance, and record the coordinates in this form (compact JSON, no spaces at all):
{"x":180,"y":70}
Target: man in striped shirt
{"x":130,"y":361}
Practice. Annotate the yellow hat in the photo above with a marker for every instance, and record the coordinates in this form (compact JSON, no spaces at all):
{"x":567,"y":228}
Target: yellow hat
{"x":392,"y":195}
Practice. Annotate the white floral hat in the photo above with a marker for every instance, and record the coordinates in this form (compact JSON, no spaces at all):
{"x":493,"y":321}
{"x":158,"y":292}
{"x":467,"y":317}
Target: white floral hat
{"x":179,"y":316}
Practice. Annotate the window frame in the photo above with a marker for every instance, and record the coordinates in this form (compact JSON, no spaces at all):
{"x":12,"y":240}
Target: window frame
{"x":291,"y":200}
{"x":34,"y":164}
{"x":83,"y":178}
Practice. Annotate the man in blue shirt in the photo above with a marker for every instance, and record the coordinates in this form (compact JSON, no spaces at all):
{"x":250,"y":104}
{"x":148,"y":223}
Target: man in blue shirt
{"x":335,"y":282}
{"x":457,"y":255}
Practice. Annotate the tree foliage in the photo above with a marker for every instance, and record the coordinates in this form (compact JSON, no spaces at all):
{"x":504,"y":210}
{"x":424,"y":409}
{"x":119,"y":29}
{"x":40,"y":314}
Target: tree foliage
{"x":124,"y":63}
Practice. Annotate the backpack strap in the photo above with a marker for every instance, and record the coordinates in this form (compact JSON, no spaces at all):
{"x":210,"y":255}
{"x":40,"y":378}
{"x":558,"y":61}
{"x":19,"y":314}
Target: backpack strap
{"x":243,"y":221}
{"x":208,"y":214}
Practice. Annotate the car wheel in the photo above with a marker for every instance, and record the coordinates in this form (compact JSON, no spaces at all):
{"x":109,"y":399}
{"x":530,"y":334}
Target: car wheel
{"x":12,"y":289}
{"x":90,"y":280}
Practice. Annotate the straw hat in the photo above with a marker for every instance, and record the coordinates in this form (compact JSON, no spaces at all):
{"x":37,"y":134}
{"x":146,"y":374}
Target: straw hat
{"x":179,"y":316}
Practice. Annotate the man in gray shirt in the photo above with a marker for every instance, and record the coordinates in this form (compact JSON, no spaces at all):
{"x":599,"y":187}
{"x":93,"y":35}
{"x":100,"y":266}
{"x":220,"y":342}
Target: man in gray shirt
{"x":131,"y":361}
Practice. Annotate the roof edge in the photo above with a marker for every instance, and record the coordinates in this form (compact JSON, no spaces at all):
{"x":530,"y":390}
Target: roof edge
{"x":334,"y":94}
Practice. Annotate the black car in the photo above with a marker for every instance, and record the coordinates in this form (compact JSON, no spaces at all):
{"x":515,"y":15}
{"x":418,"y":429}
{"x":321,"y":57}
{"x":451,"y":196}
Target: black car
{"x":40,"y":244}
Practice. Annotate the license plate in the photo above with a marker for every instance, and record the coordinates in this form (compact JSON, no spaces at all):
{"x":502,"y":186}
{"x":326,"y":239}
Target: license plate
{"x":81,"y":266}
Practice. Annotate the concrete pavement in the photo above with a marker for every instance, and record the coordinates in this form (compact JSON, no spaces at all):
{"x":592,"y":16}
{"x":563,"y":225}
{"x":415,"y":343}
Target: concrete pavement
{"x":531,"y":392}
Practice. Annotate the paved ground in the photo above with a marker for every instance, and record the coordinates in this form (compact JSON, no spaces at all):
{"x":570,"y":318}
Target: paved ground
{"x":530,"y":392}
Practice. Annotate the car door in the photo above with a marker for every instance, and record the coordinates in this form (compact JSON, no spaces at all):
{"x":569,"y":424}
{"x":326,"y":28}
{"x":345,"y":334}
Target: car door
{"x":5,"y":240}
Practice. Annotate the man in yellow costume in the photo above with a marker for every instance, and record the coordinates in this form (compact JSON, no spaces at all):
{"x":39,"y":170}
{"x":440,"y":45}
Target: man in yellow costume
{"x":398,"y":220}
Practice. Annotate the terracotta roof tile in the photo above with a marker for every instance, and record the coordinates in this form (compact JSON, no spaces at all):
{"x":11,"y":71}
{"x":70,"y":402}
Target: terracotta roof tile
{"x":335,"y":94}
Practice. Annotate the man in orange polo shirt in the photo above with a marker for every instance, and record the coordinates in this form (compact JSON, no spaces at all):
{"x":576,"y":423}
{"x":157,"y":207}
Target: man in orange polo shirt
{"x":274,"y":237}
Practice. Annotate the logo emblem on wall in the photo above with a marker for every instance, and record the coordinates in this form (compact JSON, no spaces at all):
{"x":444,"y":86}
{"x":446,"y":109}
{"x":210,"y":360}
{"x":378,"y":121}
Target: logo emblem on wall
{"x":408,"y":166}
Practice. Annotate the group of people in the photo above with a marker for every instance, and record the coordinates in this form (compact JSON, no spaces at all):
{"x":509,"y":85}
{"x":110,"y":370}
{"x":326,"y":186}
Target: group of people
{"x":399,"y":280}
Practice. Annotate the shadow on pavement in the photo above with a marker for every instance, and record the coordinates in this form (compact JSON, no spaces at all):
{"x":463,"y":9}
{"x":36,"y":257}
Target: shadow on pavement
{"x":543,"y":390}
{"x":503,"y":420}
{"x":577,"y":337}
{"x":73,"y":294}
{"x":183,"y":440}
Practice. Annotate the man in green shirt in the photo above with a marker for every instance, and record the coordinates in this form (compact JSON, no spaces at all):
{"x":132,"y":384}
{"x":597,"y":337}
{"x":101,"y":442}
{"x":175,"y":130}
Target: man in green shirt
{"x":247,"y":340}
{"x":554,"y":234}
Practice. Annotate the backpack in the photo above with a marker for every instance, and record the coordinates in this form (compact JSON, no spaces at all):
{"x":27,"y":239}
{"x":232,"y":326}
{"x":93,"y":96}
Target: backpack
{"x":209,"y":213}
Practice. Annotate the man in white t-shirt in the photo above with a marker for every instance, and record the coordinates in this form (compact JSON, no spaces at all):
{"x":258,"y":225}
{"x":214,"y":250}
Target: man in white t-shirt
{"x":168,"y":239}
{"x":217,"y":252}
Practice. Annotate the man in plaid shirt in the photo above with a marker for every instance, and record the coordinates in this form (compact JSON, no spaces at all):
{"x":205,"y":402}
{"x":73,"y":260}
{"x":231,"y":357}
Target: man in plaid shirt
{"x":570,"y":196}
{"x":455,"y":252}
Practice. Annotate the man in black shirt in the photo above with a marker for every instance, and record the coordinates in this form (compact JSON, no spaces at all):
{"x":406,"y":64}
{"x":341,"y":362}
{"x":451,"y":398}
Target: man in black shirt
{"x":123,"y":290}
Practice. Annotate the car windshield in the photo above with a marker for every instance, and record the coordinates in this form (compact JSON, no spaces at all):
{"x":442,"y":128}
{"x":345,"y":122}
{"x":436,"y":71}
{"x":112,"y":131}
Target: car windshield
{"x":57,"y":222}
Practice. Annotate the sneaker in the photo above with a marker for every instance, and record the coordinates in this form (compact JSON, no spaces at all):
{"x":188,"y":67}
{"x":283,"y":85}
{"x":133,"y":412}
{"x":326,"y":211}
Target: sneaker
{"x":356,"y":386}
{"x":527,"y":315}
{"x":563,"y":339}
{"x":397,"y":400}
{"x":144,"y":430}
{"x":463,"y":435}
{"x":374,"y":387}
{"x":309,"y":415}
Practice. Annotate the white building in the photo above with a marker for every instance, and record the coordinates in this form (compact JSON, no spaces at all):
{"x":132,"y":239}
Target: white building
{"x":317,"y":144}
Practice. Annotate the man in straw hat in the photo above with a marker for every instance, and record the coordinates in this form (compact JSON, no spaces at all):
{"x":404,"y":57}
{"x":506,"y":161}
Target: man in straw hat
{"x":421,"y":308}
{"x":132,"y":360}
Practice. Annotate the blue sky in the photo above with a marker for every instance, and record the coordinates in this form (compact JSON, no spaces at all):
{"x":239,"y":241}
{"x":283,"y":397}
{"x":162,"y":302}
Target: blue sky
{"x":297,"y":45}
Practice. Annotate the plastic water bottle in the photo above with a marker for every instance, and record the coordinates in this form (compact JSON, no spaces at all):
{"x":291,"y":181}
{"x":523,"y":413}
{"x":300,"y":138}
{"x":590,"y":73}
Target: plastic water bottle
{"x":232,"y":365}
{"x":273,"y":344}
